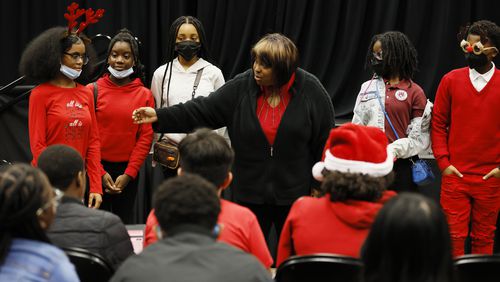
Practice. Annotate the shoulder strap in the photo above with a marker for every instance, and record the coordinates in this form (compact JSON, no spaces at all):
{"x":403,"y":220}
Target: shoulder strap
{"x":196,"y":82}
{"x":95,"y":95}
{"x":386,"y":115}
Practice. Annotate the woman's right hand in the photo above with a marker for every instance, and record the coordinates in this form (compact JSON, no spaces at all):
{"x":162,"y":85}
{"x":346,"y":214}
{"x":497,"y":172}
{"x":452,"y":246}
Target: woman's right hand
{"x":144,"y":115}
{"x":452,"y":170}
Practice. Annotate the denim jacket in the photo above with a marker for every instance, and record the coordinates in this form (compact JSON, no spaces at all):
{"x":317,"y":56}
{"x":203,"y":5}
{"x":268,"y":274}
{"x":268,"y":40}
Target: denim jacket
{"x":367,"y":111}
{"x":30,"y":260}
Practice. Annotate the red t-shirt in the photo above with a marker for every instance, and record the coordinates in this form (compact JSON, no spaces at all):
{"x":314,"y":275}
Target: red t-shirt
{"x":239,"y":228}
{"x":66,"y":116}
{"x":270,"y":117}
{"x":121,"y":139}
{"x":403,"y":102}
{"x":317,"y":225}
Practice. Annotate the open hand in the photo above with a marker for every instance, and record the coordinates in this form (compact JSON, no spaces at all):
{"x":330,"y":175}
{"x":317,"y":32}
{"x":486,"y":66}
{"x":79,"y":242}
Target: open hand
{"x":144,"y":115}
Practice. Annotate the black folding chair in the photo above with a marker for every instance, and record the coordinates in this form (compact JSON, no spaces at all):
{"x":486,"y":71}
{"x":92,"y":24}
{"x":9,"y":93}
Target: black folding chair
{"x":476,"y":267}
{"x":319,"y":267}
{"x":89,"y":266}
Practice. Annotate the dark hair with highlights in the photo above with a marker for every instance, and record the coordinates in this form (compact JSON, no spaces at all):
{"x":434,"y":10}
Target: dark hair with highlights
{"x":399,"y":54}
{"x":21,"y":195}
{"x":409,"y":241}
{"x":41,"y":59}
{"x":342,"y":186}
{"x":279,"y":53}
{"x":186,"y":199}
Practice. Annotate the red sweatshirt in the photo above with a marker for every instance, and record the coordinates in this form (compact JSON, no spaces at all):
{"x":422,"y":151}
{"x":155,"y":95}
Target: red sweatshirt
{"x":239,"y":228}
{"x":466,"y":124}
{"x":317,"y":225}
{"x":66,"y":116}
{"x":121,"y":139}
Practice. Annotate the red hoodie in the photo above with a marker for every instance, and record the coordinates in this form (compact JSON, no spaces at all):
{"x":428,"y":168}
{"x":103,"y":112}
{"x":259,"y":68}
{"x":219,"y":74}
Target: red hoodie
{"x":121,"y":139}
{"x":66,"y":116}
{"x":317,"y":225}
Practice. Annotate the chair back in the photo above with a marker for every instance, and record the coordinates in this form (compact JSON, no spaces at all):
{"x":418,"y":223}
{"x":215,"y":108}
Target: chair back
{"x":89,"y":266}
{"x":319,"y":267}
{"x":475,"y":267}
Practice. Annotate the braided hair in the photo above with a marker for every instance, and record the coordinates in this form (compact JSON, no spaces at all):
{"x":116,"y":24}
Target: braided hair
{"x":125,"y":35}
{"x":399,"y":54}
{"x":172,"y":35}
{"x":22,"y":189}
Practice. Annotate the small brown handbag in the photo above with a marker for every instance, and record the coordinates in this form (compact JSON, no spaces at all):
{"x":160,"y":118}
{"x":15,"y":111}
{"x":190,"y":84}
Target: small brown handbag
{"x":166,"y":153}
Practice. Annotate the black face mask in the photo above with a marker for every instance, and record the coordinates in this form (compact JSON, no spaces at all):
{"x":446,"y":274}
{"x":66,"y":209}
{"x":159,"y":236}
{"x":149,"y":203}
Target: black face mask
{"x":378,"y":67}
{"x":476,"y":61}
{"x":187,"y":49}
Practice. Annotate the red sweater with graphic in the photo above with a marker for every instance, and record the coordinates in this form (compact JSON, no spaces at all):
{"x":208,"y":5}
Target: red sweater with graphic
{"x":466,"y":124}
{"x":66,"y":116}
{"x":317,"y":225}
{"x":121,"y":139}
{"x":239,"y":228}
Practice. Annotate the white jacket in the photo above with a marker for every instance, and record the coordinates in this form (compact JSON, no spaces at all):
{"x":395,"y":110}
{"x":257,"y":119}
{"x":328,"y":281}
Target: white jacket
{"x":367,"y":111}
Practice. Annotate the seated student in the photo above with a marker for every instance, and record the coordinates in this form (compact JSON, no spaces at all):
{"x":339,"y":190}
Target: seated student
{"x":187,"y":208}
{"x":76,"y":225}
{"x":409,"y":241}
{"x":207,"y":154}
{"x":355,"y":172}
{"x":27,"y":208}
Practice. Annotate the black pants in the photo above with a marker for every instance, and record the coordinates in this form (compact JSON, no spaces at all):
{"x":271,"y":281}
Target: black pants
{"x":269,"y":215}
{"x":403,"y":181}
{"x":120,"y":204}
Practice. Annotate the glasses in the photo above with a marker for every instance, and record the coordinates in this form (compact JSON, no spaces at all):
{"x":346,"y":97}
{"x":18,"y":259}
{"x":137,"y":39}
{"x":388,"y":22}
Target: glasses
{"x":58,"y":194}
{"x":76,"y":56}
{"x":378,"y":55}
{"x":476,"y":48}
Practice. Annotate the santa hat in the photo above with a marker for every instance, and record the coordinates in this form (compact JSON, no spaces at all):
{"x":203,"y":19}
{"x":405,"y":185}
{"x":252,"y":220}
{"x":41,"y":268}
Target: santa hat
{"x":355,"y":149}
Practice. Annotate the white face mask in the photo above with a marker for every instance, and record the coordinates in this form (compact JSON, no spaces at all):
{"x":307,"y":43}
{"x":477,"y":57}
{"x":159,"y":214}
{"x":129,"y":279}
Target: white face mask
{"x":69,"y":72}
{"x":120,"y":74}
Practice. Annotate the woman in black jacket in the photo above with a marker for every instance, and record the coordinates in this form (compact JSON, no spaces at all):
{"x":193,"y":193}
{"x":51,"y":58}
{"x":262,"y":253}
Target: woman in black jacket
{"x":278,"y":117}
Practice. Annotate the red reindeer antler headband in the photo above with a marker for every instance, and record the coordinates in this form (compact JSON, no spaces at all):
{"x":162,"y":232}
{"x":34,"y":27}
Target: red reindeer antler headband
{"x":74,"y":13}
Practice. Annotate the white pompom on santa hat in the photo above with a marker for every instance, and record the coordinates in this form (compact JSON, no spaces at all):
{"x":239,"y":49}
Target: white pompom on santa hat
{"x":355,"y":149}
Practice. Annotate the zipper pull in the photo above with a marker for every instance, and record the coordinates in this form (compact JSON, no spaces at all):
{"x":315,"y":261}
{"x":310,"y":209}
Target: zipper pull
{"x":271,"y":151}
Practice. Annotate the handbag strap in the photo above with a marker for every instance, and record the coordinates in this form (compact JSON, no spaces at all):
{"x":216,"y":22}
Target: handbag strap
{"x":196,"y":82}
{"x":386,"y":115}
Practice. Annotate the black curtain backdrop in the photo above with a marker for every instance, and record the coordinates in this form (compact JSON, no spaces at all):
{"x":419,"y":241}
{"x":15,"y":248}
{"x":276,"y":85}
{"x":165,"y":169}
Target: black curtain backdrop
{"x":332,"y":37}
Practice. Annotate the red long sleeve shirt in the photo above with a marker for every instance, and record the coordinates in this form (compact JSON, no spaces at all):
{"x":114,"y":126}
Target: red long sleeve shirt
{"x":466,"y":124}
{"x":66,"y":116}
{"x":121,"y":139}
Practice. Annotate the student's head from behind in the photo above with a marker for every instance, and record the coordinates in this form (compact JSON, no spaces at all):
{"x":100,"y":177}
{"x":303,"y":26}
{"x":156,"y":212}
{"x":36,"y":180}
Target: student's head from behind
{"x":186,"y":199}
{"x":187,"y":39}
{"x":27,"y":205}
{"x":392,"y":54}
{"x":480,"y":42}
{"x":54,"y":49}
{"x":357,"y":164}
{"x":123,"y":56}
{"x":64,"y":167}
{"x":206,"y":153}
{"x":409,"y":241}
{"x":274,"y":59}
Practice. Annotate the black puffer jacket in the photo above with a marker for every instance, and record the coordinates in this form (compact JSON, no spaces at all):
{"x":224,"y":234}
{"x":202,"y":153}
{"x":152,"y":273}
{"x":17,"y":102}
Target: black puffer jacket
{"x":98,"y":231}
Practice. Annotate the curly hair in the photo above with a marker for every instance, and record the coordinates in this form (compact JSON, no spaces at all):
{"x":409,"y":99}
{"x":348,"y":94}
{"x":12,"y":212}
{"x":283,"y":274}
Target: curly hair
{"x":354,"y":186}
{"x":487,"y":30}
{"x":41,"y":60}
{"x":207,"y":154}
{"x":125,"y":35}
{"x":186,"y":199}
{"x":21,"y":195}
{"x":399,"y":54}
